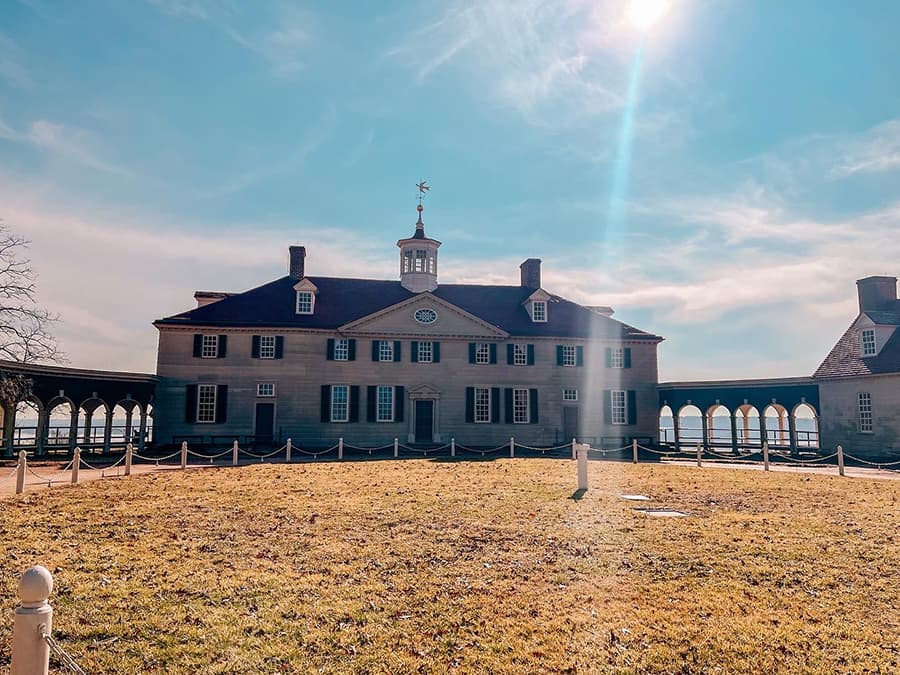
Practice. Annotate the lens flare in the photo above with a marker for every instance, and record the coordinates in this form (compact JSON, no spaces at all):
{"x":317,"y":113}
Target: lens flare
{"x":644,"y":14}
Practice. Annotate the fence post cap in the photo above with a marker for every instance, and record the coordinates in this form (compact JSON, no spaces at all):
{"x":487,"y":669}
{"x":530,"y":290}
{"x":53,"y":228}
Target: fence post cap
{"x":35,"y":586}
{"x":22,"y":454}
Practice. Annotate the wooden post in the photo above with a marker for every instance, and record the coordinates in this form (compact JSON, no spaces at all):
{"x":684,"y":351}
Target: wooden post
{"x":183,"y":454}
{"x":287,"y":455}
{"x":234,"y":453}
{"x":573,"y":448}
{"x":34,"y":615}
{"x":582,"y":453}
{"x":634,"y":458}
{"x":765,"y":448}
{"x":512,"y":446}
{"x":453,"y":447}
{"x":840,"y":453}
{"x":128,"y":451}
{"x":341,"y":448}
{"x":699,"y":454}
{"x":20,"y":473}
{"x":396,"y":447}
{"x":76,"y":465}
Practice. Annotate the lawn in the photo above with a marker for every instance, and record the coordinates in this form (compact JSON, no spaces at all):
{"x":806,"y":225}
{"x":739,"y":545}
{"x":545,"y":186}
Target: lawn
{"x":439,"y":566}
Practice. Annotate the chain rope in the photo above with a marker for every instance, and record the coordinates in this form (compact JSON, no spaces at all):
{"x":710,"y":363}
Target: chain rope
{"x":65,"y":659}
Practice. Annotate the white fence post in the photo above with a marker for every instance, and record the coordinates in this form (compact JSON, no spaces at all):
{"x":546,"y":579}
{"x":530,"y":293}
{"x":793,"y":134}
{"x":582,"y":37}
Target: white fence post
{"x":453,"y":447}
{"x":573,"y":448}
{"x":128,"y":451}
{"x":396,"y":447}
{"x":582,"y":454}
{"x":699,"y":455}
{"x":76,"y":465}
{"x":234,"y":453}
{"x":20,"y":473}
{"x":287,"y":456}
{"x":183,"y":454}
{"x":341,"y":448}
{"x":634,"y":450}
{"x":840,"y":453}
{"x":30,"y":651}
{"x":512,"y":446}
{"x":765,"y":449}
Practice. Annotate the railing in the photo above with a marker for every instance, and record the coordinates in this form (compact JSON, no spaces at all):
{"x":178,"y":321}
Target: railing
{"x":746,"y":438}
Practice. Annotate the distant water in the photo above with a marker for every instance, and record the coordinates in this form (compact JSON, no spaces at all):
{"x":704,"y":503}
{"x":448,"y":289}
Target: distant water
{"x":692,"y":430}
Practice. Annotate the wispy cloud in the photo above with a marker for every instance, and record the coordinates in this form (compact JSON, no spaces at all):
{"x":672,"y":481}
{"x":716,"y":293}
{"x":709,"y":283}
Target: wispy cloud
{"x":875,"y":151}
{"x":12,"y":64}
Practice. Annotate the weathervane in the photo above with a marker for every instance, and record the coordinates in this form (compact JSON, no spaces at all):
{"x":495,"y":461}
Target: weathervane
{"x":423,"y":187}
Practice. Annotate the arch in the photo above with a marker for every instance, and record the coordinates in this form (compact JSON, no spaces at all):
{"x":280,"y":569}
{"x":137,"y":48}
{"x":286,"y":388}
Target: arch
{"x":746,"y":418}
{"x":27,"y":422}
{"x":666,"y":426}
{"x":718,"y":426}
{"x":690,"y":424}
{"x":776,"y":425}
{"x":59,"y":421}
{"x":806,"y":425}
{"x":92,"y":413}
{"x":120,"y":417}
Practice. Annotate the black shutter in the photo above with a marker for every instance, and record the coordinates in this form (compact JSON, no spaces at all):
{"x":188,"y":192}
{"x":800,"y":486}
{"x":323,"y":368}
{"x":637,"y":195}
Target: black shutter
{"x":351,"y":349}
{"x":609,"y":357}
{"x":510,"y":354}
{"x":436,"y":352}
{"x":198,"y":345}
{"x":376,"y":346}
{"x":632,"y":407}
{"x":371,"y":398}
{"x":397,"y":348}
{"x":190,"y":408}
{"x":221,"y":403}
{"x":472,"y":348}
{"x":279,"y":346}
{"x":559,"y":355}
{"x":493,"y":352}
{"x":223,"y":346}
{"x":530,"y":355}
{"x":414,"y":349}
{"x":354,"y":403}
{"x":533,"y":402}
{"x":254,"y":348}
{"x":607,"y":406}
{"x":579,"y":356}
{"x":329,"y":352}
{"x":326,"y":403}
{"x":495,"y":405}
{"x":470,"y":404}
{"x":508,"y":404}
{"x":399,"y":403}
{"x":628,"y":357}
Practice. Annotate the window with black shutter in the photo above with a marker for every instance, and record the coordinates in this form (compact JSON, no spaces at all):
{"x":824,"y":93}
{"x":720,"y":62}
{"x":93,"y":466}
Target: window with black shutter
{"x":495,"y":405}
{"x":397,"y":346}
{"x":198,"y":345}
{"x":470,"y":404}
{"x":414,"y":350}
{"x":632,"y":407}
{"x":371,"y":403}
{"x":279,"y":346}
{"x":533,"y":403}
{"x":223,"y":346}
{"x":354,"y":403}
{"x":326,"y":403}
{"x":493,"y":352}
{"x":329,"y":352}
{"x":190,"y":407}
{"x":399,"y":403}
{"x":508,"y":405}
{"x":254,"y":347}
{"x":221,"y":403}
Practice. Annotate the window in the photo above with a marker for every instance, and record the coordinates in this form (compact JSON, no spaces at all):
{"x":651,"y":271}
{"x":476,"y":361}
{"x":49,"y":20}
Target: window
{"x":520,"y":355}
{"x":210,"y":346}
{"x":305,"y":301}
{"x":865,"y":412}
{"x":340,"y":408}
{"x":425,"y":315}
{"x":265,"y":389}
{"x":426,"y":352}
{"x":570,"y":394}
{"x":539,"y":310}
{"x":267,"y":347}
{"x":420,"y":261}
{"x":342,"y":349}
{"x":520,"y":406}
{"x":482,"y":404}
{"x":206,"y":403}
{"x":868,"y":343}
{"x":385,"y":350}
{"x":619,"y":408}
{"x":385,"y":411}
{"x":407,"y":260}
{"x":482,"y":353}
{"x":568,"y":355}
{"x":617,"y":357}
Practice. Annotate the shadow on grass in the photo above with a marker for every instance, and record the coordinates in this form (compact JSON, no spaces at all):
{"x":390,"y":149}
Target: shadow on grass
{"x":578,"y":494}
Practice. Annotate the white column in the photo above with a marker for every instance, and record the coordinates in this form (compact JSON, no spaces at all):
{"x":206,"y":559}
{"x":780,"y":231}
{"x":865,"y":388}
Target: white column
{"x":581,"y":453}
{"x":128,"y":451}
{"x":76,"y":465}
{"x":30,"y":651}
{"x":287,"y":456}
{"x":20,"y":475}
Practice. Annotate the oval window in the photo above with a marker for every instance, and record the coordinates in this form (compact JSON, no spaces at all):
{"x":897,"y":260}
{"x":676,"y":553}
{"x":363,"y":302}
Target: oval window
{"x":426,"y":315}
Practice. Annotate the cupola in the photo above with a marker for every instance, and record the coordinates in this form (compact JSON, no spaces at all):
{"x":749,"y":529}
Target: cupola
{"x":419,"y":259}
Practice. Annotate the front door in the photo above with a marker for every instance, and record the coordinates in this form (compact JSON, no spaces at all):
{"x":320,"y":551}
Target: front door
{"x":265,"y":421}
{"x":424,"y":421}
{"x":570,"y":423}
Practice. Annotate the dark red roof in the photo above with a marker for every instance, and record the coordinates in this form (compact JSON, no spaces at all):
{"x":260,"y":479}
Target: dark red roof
{"x":340,"y":301}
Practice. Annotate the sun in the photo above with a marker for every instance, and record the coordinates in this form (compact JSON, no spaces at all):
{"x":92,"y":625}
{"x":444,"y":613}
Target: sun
{"x":644,"y":14}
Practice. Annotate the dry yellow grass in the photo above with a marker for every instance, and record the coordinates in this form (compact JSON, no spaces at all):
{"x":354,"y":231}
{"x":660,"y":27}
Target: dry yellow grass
{"x":433,"y":566}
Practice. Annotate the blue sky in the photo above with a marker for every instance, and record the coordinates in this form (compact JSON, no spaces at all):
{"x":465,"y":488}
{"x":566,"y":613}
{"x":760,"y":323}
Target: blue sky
{"x":153,"y":147}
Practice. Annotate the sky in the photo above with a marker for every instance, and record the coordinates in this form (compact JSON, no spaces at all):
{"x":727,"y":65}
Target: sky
{"x":721,"y":179}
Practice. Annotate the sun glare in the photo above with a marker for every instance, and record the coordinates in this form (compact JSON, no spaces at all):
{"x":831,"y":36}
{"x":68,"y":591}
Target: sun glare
{"x":644,"y":14}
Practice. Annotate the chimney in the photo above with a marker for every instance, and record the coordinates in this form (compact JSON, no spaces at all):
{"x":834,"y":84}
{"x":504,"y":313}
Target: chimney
{"x":876,"y":292}
{"x":531,"y":273}
{"x":298,"y":262}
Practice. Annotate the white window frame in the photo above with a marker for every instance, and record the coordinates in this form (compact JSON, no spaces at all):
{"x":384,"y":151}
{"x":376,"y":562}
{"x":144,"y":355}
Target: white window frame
{"x":384,"y":403}
{"x":539,"y":311}
{"x":570,"y":394}
{"x":520,"y":355}
{"x":267,"y":346}
{"x":265,"y":389}
{"x":569,"y":356}
{"x":306,"y":302}
{"x":617,"y":357}
{"x":482,"y":405}
{"x":420,"y":264}
{"x":868,"y":342}
{"x":521,"y":406}
{"x":619,"y":405}
{"x":429,"y":351}
{"x":341,"y":349}
{"x":385,"y":350}
{"x":345,"y":402}
{"x":209,"y":348}
{"x":482,"y":353}
{"x":864,"y":406}
{"x":206,"y":403}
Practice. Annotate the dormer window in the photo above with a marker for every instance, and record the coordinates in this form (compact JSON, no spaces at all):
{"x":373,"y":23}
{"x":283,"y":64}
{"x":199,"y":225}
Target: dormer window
{"x":539,"y":311}
{"x":869,"y":347}
{"x":305,"y":302}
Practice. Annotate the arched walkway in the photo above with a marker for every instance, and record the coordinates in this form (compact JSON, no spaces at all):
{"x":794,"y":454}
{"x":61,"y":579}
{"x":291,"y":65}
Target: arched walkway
{"x":806,"y":425}
{"x":748,"y":429}
{"x":777,"y":426}
{"x":690,"y":426}
{"x":27,"y":423}
{"x":60,"y":421}
{"x":666,"y":426}
{"x":718,"y":427}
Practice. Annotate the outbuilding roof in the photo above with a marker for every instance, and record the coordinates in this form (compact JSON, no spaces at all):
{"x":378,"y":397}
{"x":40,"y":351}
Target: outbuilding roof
{"x":846,"y":359}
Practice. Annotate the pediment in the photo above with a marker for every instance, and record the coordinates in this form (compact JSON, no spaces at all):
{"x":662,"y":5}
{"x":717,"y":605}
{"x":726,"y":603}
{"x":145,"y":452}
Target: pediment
{"x":305,"y":285}
{"x":400,"y":321}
